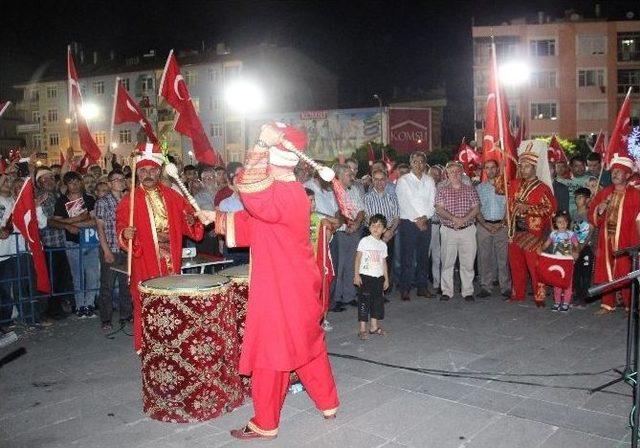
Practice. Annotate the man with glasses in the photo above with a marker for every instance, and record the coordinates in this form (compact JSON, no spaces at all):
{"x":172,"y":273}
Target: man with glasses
{"x":110,"y":254}
{"x":416,"y":193}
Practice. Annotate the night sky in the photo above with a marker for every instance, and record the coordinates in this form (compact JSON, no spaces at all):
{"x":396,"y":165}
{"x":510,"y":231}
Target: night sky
{"x":372,"y":46}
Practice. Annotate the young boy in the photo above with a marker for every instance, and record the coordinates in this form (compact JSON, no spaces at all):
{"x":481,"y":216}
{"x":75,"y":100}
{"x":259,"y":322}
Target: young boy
{"x":372,"y":277}
{"x":584,"y":263}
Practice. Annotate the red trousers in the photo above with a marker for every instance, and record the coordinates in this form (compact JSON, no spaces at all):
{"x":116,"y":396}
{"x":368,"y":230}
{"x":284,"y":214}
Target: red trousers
{"x":522,"y":261}
{"x":622,"y":268}
{"x":269,"y":388}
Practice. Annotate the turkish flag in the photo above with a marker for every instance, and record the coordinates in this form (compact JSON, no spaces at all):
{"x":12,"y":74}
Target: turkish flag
{"x":599,"y":146}
{"x":3,"y":106}
{"x":26,"y":221}
{"x":497,"y":125}
{"x":82,"y":165}
{"x":618,"y":141}
{"x":125,"y":110}
{"x":393,"y":174}
{"x":173,"y":88}
{"x":87,"y":143}
{"x":469,"y":158}
{"x":556,"y":153}
{"x":62,"y":159}
{"x":555,"y":270}
{"x":14,"y":155}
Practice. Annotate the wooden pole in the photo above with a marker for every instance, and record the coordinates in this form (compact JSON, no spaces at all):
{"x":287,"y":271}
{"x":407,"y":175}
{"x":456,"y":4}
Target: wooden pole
{"x":132,"y":197}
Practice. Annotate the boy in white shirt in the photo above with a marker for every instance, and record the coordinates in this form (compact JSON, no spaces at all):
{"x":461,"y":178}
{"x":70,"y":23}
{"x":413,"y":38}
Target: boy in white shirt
{"x":372,"y":277}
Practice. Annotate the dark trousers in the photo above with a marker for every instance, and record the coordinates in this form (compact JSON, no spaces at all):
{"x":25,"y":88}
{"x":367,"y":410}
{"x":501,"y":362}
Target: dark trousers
{"x":7,"y":279}
{"x":61,"y":281}
{"x":370,"y":299}
{"x":108,"y":279}
{"x":414,"y":246}
{"x":582,"y":271}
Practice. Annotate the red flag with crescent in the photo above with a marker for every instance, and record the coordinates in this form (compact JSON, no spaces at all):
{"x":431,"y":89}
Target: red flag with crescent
{"x":469,"y":158}
{"x":599,"y":146}
{"x":620,"y":135}
{"x":555,"y":152}
{"x":173,"y":88}
{"x":555,"y":270}
{"x":26,"y":221}
{"x":126,"y":110}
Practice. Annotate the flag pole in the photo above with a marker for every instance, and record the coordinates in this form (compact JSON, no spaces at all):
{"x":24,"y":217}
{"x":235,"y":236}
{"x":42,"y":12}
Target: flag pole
{"x":113,"y":116}
{"x":494,"y":63}
{"x":132,"y":197}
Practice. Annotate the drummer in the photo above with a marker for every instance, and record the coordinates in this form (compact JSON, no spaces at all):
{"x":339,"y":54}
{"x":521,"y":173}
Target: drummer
{"x":282,"y":331}
{"x":160,"y":218}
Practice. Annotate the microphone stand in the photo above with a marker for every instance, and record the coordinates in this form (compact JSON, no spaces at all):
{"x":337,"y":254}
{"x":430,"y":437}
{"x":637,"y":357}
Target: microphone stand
{"x":629,"y":373}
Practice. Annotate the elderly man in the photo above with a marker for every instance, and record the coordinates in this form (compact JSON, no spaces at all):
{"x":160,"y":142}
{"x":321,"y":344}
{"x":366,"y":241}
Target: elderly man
{"x":530,"y":206}
{"x":457,"y":204}
{"x":492,"y":235}
{"x":615,"y":211}
{"x":160,"y":218}
{"x":416,"y":193}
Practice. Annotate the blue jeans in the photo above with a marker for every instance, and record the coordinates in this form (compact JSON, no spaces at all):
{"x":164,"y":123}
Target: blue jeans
{"x":415,"y":246}
{"x":85,"y":271}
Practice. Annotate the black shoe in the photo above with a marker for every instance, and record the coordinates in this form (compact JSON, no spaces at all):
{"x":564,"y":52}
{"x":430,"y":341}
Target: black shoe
{"x":444,"y":298}
{"x":506,"y":295}
{"x":483,"y":294}
{"x":337,"y":308}
{"x":424,"y":292}
{"x":469,"y":298}
{"x":353,"y":303}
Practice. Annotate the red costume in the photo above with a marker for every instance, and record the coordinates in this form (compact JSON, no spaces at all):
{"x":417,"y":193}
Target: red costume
{"x":282,"y":329}
{"x":617,"y":230}
{"x":160,"y":221}
{"x":528,"y":232}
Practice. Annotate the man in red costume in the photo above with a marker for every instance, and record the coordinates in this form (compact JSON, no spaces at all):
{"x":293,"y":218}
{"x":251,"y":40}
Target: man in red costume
{"x":615,"y":211}
{"x":531,"y":205}
{"x":282,"y":329}
{"x":160,"y":218}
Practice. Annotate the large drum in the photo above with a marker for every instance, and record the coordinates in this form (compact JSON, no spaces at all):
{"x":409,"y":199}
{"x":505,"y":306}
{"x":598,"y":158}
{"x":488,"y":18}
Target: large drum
{"x":238,"y":291}
{"x":190,"y":348}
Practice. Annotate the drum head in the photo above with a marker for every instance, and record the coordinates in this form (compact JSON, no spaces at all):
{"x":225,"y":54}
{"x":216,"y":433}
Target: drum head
{"x":240,"y":271}
{"x":185,"y":282}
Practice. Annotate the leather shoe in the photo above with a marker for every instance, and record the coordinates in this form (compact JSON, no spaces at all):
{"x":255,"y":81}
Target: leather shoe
{"x":247,"y":434}
{"x":444,"y":298}
{"x":337,"y":308}
{"x":469,"y":298}
{"x":424,"y":292}
{"x":483,"y":294}
{"x":438,"y":291}
{"x":353,"y":302}
{"x":405,"y":296}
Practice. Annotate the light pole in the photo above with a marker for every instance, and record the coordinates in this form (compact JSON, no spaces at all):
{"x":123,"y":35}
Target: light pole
{"x":377,"y":97}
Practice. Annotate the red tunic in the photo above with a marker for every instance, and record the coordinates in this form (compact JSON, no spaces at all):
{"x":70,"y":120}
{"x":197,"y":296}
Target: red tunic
{"x":282,"y":330}
{"x":146,"y":262}
{"x":624,"y":234}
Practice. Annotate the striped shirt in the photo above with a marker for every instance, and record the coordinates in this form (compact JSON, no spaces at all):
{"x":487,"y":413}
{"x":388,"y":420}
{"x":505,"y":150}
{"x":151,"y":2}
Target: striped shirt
{"x":492,"y":205}
{"x":50,"y":236}
{"x":383,"y":203}
{"x":105,"y":211}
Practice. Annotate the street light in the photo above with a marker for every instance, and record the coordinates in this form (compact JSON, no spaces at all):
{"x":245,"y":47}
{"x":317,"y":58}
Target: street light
{"x":514,"y":73}
{"x":89,"y":111}
{"x":244,"y":96}
{"x":377,"y":97}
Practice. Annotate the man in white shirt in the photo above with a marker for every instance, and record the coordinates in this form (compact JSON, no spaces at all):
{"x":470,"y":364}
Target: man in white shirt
{"x":416,"y":193}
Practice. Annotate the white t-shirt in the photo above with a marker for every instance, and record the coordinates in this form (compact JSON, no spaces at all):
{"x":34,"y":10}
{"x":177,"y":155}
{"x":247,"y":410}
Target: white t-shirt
{"x":374,"y":253}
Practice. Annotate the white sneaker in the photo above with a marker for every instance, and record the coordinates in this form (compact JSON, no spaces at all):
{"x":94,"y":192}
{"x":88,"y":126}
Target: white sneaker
{"x":326,"y":326}
{"x":8,"y":338}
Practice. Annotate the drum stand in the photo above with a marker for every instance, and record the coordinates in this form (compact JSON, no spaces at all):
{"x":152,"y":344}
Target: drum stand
{"x":629,"y":373}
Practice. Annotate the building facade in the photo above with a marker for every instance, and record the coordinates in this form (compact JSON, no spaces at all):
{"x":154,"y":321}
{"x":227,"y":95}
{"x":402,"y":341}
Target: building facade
{"x":579,"y":72}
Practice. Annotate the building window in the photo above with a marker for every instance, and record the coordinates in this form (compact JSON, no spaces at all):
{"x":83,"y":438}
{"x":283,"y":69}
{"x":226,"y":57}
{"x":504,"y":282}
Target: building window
{"x":52,"y":92}
{"x":125,"y":136}
{"x":98,"y":88}
{"x":592,"y":110}
{"x":32,"y":95}
{"x":214,"y":74}
{"x":590,"y":45}
{"x":544,"y":111}
{"x":546,"y":47}
{"x":35,"y":116}
{"x":191,"y":78}
{"x":629,"y":46}
{"x":215,"y":130}
{"x":234,"y":133}
{"x":481,"y":82}
{"x":543,"y":80}
{"x":37,"y":141}
{"x":101,"y":138}
{"x":147,"y":84}
{"x":591,"y":78}
{"x":54,"y":139}
{"x":52,"y":115}
{"x":125,"y":83}
{"x":628,"y":78}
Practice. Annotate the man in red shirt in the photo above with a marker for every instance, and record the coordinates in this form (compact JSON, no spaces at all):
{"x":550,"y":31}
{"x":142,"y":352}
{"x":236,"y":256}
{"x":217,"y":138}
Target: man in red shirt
{"x":282,"y":328}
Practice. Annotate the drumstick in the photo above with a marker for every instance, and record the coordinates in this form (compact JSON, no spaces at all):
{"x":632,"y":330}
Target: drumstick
{"x":131,"y":202}
{"x":172,"y":172}
{"x":326,"y":173}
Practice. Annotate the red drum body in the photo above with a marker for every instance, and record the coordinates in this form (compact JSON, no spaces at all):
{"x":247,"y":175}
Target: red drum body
{"x":238,"y":292}
{"x":190,"y":348}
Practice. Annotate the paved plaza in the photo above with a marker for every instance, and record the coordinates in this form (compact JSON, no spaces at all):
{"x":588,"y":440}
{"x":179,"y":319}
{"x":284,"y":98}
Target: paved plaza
{"x":76,"y":388}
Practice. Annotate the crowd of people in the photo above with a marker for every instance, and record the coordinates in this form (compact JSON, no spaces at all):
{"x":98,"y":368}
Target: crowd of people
{"x":411,"y":228}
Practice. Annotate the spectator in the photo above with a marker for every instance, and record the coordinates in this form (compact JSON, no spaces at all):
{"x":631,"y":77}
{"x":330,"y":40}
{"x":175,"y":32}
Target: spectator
{"x":584,"y":232}
{"x":111,"y":255}
{"x":594,"y":168}
{"x":357,"y":181}
{"x":221,"y":177}
{"x":562,"y":170}
{"x":233,"y":169}
{"x":578,"y":179}
{"x":208,"y":178}
{"x":95,"y":171}
{"x":347,"y":237}
{"x":491,"y":233}
{"x":189,"y":173}
{"x":402,"y":169}
{"x":437,"y":174}
{"x":380,"y":202}
{"x":89,"y":183}
{"x":372,"y":278}
{"x":53,"y":239}
{"x":239,"y":255}
{"x":73,"y":209}
{"x":457,"y":204}
{"x":560,"y":191}
{"x":102,"y":189}
{"x":416,"y":193}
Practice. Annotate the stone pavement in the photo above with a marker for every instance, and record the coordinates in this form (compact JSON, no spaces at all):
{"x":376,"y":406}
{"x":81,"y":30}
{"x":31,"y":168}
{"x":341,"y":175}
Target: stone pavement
{"x":75,"y":388}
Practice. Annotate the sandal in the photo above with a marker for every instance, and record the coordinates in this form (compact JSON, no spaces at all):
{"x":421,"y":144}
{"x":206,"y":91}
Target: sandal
{"x":363,"y":335}
{"x":247,"y":433}
{"x":379,"y":331}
